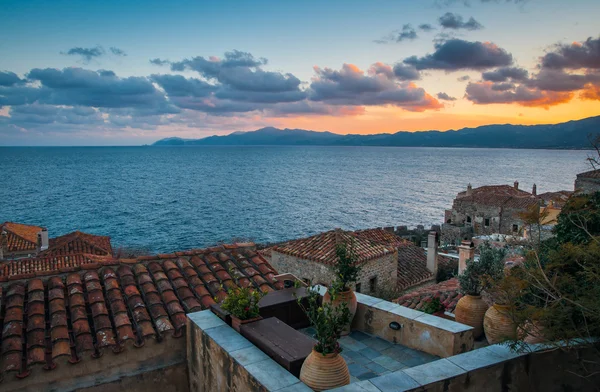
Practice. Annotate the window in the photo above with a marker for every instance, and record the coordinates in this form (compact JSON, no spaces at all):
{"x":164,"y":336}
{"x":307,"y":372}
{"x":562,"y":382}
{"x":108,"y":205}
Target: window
{"x":515,"y":228}
{"x":373,"y":284}
{"x":486,"y":222}
{"x":468,"y":219}
{"x":357,"y":288}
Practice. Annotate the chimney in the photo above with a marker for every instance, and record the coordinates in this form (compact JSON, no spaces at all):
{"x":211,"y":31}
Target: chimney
{"x":534,"y":190}
{"x":338,"y":236}
{"x":43,"y":240}
{"x":432,"y":252}
{"x":3,"y":243}
{"x":516,"y":184}
{"x":469,"y":189}
{"x":466,"y":251}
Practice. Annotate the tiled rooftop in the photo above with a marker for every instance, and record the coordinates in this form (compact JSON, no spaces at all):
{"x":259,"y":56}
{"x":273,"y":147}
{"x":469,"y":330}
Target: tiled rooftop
{"x":117,"y":303}
{"x":322,"y":247}
{"x":447,"y":292}
{"x":19,"y":237}
{"x":79,"y":242}
{"x":589,"y":174}
{"x":500,"y":196}
{"x":50,"y":265}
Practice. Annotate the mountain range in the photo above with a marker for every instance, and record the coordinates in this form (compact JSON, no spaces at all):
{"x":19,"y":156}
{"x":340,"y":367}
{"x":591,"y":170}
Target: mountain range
{"x":568,"y":135}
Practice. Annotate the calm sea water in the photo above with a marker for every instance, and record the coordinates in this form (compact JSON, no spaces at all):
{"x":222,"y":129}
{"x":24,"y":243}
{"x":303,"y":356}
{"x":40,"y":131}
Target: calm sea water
{"x":174,"y":198}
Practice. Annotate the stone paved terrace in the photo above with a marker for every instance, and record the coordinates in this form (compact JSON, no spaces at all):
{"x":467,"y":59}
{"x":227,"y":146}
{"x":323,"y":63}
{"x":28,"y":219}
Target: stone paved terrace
{"x":370,"y":356}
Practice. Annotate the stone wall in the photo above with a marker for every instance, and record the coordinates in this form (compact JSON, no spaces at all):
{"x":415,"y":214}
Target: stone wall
{"x":587,"y":185}
{"x":418,"y":330}
{"x":500,"y":220}
{"x":384,"y":269}
{"x":155,"y":363}
{"x":220,"y":359}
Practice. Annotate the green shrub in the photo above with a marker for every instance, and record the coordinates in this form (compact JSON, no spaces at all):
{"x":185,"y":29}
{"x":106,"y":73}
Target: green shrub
{"x":243,"y":303}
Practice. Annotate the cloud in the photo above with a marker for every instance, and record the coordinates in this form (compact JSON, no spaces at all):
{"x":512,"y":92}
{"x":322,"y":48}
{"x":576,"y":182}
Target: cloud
{"x":483,"y":93}
{"x":350,"y":86}
{"x":406,"y":72}
{"x":506,"y":73}
{"x":101,"y":89}
{"x":577,"y":55}
{"x":454,"y":21}
{"x":463,"y":78}
{"x":158,"y":61}
{"x":407,"y":33}
{"x":87,"y":54}
{"x":117,"y":51}
{"x":39,"y":114}
{"x":426,"y":27}
{"x":10,"y":79}
{"x":445,"y":97}
{"x":457,"y":54}
{"x":562,"y":72}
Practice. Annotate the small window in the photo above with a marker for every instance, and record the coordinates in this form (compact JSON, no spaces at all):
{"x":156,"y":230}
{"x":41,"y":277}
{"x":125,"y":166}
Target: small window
{"x":357,"y":288}
{"x":468,"y":219}
{"x":373,"y":284}
{"x":515,"y":228}
{"x":486,"y":222}
{"x":449,"y":221}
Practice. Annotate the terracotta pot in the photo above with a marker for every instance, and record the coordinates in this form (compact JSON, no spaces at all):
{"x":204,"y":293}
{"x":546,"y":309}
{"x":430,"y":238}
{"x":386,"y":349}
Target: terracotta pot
{"x":470,"y":310}
{"x":349,"y":299}
{"x":321,"y":372}
{"x":498,"y":325}
{"x":236,"y":323}
{"x":533,"y":332}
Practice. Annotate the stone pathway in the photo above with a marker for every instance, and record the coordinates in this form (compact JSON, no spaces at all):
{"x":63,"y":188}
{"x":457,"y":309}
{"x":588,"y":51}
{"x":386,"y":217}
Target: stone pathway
{"x":370,"y":356}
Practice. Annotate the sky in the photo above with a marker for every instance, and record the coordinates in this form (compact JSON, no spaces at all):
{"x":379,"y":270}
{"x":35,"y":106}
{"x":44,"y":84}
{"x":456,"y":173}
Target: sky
{"x":133,"y":72}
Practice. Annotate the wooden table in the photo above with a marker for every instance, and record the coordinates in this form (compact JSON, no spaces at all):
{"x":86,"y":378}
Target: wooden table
{"x":285,"y":345}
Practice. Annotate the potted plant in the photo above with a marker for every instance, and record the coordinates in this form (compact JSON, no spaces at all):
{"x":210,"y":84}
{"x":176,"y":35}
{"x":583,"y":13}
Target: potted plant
{"x":497,"y":322}
{"x":325,"y":368}
{"x":242,"y":304}
{"x":470,"y":309}
{"x":346,"y":273}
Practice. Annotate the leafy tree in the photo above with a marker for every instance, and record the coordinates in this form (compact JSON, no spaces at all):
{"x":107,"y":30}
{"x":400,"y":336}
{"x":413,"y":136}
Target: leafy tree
{"x":579,"y":219}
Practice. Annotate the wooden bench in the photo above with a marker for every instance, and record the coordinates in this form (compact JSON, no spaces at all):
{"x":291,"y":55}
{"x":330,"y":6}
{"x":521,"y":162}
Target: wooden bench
{"x":285,"y":345}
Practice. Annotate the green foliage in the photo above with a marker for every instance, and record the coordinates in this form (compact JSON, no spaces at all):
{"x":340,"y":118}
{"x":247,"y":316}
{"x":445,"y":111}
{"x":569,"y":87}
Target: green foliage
{"x":479,"y":275}
{"x":346,"y":270}
{"x":579,"y":219}
{"x":243,"y":303}
{"x":432,"y":306}
{"x":327,"y":319}
{"x":445,"y":271}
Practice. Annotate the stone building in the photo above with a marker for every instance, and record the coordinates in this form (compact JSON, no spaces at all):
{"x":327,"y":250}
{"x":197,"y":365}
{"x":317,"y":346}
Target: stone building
{"x":312,"y":259}
{"x":495,"y":209}
{"x":588,"y":182}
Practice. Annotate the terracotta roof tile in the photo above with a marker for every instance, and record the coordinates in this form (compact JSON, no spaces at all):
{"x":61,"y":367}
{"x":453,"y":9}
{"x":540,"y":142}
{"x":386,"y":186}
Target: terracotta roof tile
{"x":589,"y":174}
{"x":447,"y":292}
{"x":78,"y":242}
{"x":48,"y":321}
{"x":19,"y":237}
{"x":322,"y":247}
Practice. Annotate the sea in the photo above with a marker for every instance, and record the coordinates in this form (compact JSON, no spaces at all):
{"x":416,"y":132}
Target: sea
{"x":163,"y":199}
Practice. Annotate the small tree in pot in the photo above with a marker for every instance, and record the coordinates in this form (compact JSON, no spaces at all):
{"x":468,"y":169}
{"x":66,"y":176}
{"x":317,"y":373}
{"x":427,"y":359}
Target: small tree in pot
{"x":324,"y":368}
{"x":471,"y":308}
{"x":242,"y":303}
{"x":346,"y":272}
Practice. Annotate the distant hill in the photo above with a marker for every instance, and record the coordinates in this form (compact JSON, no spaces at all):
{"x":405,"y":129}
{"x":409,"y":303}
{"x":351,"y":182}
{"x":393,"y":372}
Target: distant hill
{"x":569,"y":135}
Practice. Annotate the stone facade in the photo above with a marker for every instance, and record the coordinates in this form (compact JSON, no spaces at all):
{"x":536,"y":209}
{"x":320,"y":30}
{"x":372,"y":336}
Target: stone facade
{"x":588,"y":182}
{"x":374,"y":274}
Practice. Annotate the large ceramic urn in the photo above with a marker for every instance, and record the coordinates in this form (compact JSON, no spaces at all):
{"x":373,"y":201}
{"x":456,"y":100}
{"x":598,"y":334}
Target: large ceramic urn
{"x":470,"y":310}
{"x":349,"y":299}
{"x":324,"y":371}
{"x":498,"y":325}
